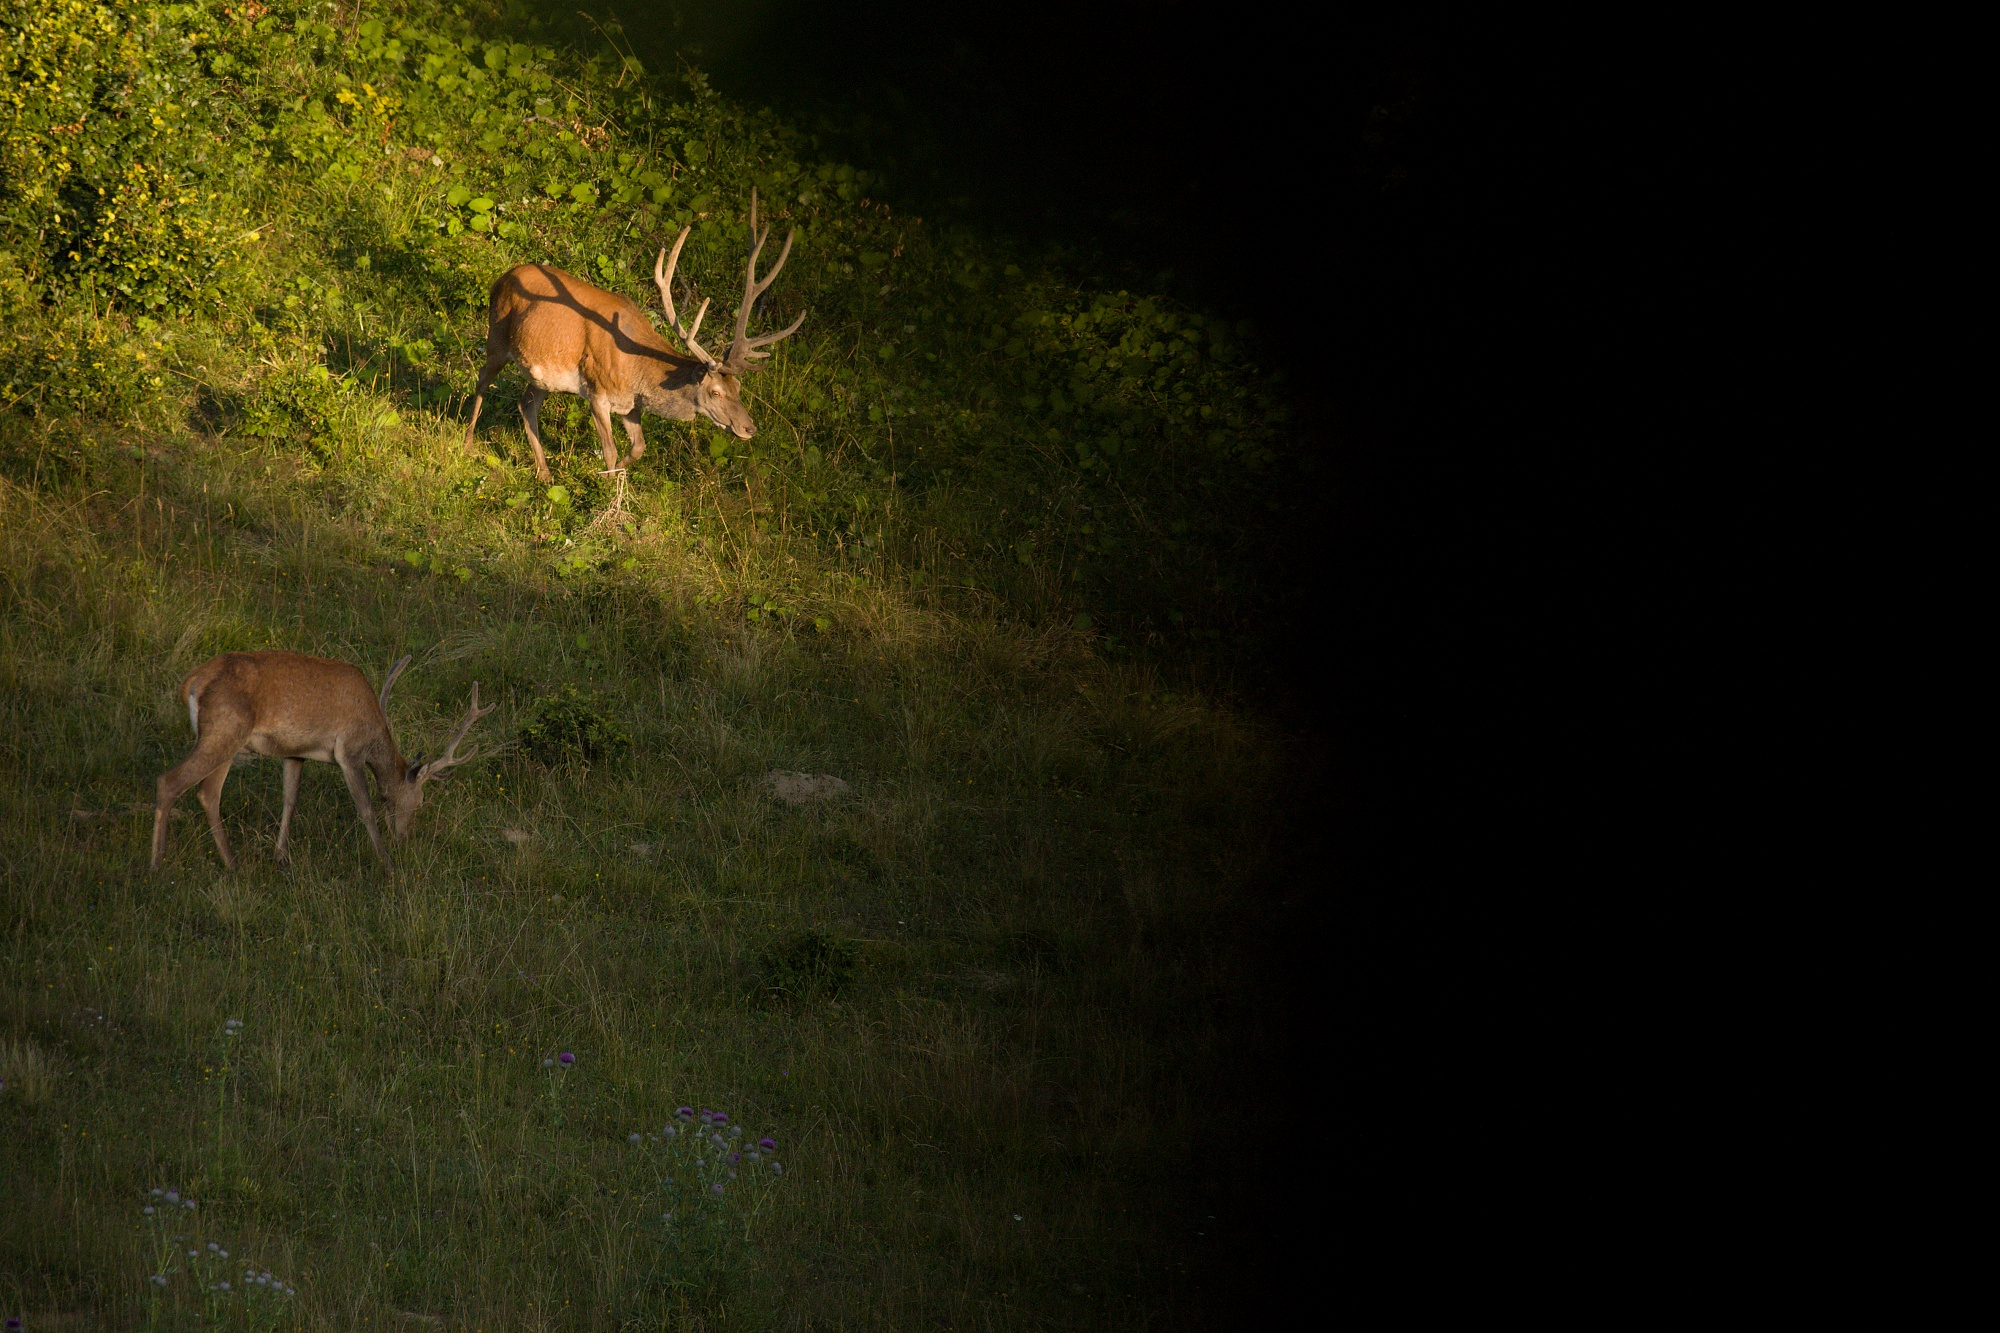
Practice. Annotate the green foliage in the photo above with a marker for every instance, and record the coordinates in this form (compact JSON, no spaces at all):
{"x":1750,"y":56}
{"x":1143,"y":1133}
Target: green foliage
{"x":809,"y":965}
{"x":570,"y":724}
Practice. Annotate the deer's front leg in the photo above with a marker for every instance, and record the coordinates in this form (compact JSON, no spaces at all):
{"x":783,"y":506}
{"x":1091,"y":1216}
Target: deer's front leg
{"x":357,"y":785}
{"x":600,"y":417}
{"x":531,"y":417}
{"x":293,"y":768}
{"x":633,"y":437}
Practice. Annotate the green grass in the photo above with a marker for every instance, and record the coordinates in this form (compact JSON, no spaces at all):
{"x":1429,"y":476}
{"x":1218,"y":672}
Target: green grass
{"x":981,"y":999}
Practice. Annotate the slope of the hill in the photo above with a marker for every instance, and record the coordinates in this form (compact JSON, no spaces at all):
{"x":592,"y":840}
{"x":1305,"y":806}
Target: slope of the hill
{"x":995,"y":1004}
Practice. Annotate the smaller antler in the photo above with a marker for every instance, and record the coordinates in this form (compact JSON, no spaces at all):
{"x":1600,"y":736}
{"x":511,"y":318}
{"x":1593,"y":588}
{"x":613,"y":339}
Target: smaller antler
{"x":451,"y":758}
{"x":743,"y":348}
{"x":663,"y":277}
{"x":395,"y":670}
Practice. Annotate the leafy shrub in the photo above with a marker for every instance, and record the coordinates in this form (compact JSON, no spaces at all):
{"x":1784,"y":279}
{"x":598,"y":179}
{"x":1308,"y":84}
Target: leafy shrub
{"x":809,"y":965}
{"x":571,"y":724}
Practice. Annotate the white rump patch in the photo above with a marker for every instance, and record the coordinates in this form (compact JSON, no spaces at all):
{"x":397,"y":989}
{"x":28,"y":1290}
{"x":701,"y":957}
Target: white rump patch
{"x":556,"y":380}
{"x":194,"y":714}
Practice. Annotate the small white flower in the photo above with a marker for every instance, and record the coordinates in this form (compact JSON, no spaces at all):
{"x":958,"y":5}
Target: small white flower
{"x":187,"y":1203}
{"x":213,"y":1246}
{"x":778,"y":1168}
{"x":1017,"y":1217}
{"x":172,"y":1196}
{"x":149,"y":1210}
{"x":223,"y":1253}
{"x":222,"y":1286}
{"x":632,"y":1138}
{"x":159,"y":1279}
{"x":158,"y":1193}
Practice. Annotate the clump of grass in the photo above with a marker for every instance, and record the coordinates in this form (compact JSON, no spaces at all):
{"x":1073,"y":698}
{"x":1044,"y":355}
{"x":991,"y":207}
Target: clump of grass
{"x":809,"y":965}
{"x":27,"y":1070}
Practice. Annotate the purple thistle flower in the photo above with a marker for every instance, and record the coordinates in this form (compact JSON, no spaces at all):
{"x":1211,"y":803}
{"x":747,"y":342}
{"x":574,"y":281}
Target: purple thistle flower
{"x":721,"y":1119}
{"x":567,"y":1059}
{"x":768,"y":1145}
{"x":736,"y":1157}
{"x":13,"y":1324}
{"x":631,"y":1138}
{"x":548,"y":1064}
{"x":685,"y":1112}
{"x":778,"y":1168}
{"x":716,"y":1189}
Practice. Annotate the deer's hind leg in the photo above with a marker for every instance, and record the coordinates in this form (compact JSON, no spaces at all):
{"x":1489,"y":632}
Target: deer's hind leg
{"x":220,"y":739}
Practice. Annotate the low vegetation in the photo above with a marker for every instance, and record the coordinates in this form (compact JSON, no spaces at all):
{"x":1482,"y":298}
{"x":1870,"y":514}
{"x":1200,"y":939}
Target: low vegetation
{"x":987,"y":562}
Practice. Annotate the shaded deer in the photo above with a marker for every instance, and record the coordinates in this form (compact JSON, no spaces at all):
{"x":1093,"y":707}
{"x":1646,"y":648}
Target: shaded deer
{"x":293,"y":707}
{"x":571,"y":337}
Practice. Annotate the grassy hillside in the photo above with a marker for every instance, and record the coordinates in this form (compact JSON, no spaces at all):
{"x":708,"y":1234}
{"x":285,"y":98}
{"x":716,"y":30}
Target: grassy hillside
{"x":986,"y":562}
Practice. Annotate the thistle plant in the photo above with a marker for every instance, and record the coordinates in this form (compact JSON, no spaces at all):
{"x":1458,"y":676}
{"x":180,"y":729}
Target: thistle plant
{"x":164,"y":1210}
{"x":713,"y":1182}
{"x":557,"y":1067}
{"x":255,"y":1300}
{"x":231,"y":1029}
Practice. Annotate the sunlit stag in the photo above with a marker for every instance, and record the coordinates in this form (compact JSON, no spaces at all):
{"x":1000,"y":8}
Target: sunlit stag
{"x":571,"y":337}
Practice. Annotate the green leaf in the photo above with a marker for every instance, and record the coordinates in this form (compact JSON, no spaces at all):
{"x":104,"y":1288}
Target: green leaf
{"x":558,"y":495}
{"x":457,"y":195}
{"x":481,"y":204}
{"x":583,"y":194}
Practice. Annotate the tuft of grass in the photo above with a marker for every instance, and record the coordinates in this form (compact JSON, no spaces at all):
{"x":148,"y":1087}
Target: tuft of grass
{"x":27,"y":1070}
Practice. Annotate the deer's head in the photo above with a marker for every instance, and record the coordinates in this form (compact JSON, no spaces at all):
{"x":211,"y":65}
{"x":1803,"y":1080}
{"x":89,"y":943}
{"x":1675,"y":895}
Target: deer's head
{"x":404,"y":797}
{"x":719,"y":394}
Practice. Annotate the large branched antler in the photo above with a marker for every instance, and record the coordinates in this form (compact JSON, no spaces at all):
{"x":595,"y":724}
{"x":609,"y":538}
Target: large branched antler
{"x":395,"y":670}
{"x":743,"y":348}
{"x":451,"y":759}
{"x":663,"y":277}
